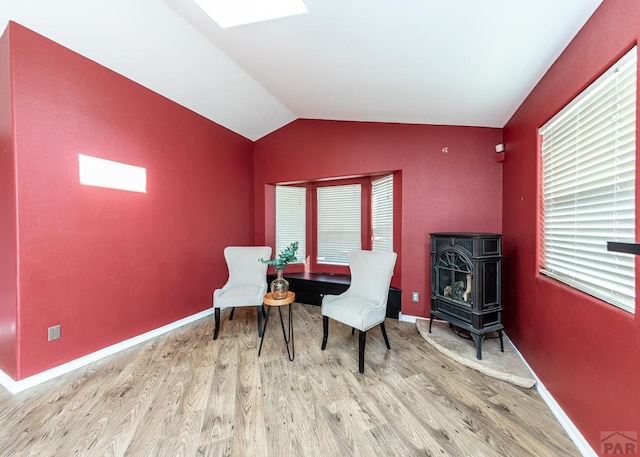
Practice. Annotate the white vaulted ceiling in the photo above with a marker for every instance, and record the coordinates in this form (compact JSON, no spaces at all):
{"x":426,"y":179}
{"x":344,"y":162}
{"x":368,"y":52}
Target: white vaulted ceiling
{"x":449,"y":62}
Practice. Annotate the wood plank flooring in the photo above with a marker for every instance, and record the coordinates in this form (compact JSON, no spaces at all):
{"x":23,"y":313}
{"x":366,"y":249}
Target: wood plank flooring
{"x":183,"y":394}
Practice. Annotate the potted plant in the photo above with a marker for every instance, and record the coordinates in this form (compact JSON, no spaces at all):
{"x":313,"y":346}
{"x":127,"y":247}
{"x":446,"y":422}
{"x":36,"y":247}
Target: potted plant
{"x":280,"y":286}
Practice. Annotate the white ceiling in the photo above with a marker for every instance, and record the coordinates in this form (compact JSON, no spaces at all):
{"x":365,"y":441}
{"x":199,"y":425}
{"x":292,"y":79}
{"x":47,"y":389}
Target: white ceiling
{"x":448,"y":62}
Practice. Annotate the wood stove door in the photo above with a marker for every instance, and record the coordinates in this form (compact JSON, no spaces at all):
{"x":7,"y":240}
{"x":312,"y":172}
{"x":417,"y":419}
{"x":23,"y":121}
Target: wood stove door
{"x":453,"y":278}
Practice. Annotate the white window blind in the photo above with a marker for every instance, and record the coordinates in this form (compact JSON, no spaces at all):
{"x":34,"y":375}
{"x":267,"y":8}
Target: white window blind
{"x":382,"y":214}
{"x":588,"y":187}
{"x":339,"y":222}
{"x":291,"y":210}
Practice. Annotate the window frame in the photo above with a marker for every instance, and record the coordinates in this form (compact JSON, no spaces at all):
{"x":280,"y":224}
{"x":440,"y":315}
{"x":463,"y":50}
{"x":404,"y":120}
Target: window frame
{"x":282,"y":244}
{"x":311,"y":264}
{"x":333,"y":250}
{"x":385,"y":185}
{"x":574,"y":164}
{"x":365,"y":189}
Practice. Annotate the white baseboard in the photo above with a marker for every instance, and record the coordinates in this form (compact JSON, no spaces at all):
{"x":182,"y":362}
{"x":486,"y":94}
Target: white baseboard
{"x":407,"y":318}
{"x":581,"y":443}
{"x":18,"y":386}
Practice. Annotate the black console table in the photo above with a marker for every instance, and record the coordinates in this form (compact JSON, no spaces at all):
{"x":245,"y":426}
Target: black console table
{"x":311,"y":287}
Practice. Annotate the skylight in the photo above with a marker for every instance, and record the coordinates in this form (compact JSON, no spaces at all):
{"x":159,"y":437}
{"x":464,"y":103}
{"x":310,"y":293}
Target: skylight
{"x":230,"y":13}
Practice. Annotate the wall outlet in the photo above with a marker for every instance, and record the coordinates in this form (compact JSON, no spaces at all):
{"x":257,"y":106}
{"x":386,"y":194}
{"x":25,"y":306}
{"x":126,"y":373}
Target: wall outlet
{"x":53,"y":333}
{"x":415,"y":297}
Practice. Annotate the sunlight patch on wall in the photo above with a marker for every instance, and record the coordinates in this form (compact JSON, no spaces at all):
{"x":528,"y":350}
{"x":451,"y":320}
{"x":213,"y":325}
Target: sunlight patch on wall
{"x":112,"y":175}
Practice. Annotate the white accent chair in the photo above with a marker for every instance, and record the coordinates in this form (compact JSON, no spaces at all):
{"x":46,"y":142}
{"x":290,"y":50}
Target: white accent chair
{"x":247,"y":282}
{"x":364,"y":304}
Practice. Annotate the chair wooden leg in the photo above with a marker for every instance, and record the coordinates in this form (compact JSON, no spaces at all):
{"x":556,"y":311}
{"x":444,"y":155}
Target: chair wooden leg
{"x":325,"y":331}
{"x":260,"y":314}
{"x":384,"y":334}
{"x":217,"y":321}
{"x":362,"y":341}
{"x":231,"y":315}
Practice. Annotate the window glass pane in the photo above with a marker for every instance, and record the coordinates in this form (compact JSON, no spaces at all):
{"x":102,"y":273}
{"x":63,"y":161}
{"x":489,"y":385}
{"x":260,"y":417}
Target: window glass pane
{"x":382,"y":214}
{"x":588,"y":182}
{"x":291,"y":219}
{"x":339,"y":222}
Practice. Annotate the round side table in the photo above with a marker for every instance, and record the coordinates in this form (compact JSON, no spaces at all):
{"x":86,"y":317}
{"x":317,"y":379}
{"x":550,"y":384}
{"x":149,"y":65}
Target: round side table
{"x":271,"y":302}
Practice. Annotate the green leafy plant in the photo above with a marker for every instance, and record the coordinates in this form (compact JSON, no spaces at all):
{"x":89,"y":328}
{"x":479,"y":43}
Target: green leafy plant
{"x":286,"y":256}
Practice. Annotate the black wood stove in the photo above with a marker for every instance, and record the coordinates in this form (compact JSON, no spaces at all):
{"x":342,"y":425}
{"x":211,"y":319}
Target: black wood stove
{"x":466,"y":289}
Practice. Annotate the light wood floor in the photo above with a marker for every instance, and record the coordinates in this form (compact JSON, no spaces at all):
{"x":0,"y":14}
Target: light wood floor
{"x":183,"y":394}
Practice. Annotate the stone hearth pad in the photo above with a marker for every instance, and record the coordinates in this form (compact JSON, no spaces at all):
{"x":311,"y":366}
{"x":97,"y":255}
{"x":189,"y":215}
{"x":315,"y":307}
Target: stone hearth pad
{"x":507,"y":365}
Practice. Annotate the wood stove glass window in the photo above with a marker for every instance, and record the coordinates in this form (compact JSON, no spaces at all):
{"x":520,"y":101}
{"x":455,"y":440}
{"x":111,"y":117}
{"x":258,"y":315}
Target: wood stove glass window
{"x":454,"y":277}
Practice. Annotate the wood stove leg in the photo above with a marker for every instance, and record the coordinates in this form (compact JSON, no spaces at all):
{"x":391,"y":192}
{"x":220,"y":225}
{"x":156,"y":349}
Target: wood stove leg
{"x":430,"y":322}
{"x":478,"y":339}
{"x":501,"y":343}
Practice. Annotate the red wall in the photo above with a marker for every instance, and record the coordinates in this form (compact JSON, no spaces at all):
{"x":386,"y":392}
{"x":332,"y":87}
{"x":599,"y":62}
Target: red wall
{"x":106,"y":264}
{"x":585,"y":352}
{"x":8,"y":239}
{"x":457,"y":191}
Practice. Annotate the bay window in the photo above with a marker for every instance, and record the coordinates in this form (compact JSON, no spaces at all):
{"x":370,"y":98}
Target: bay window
{"x":355,"y":213}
